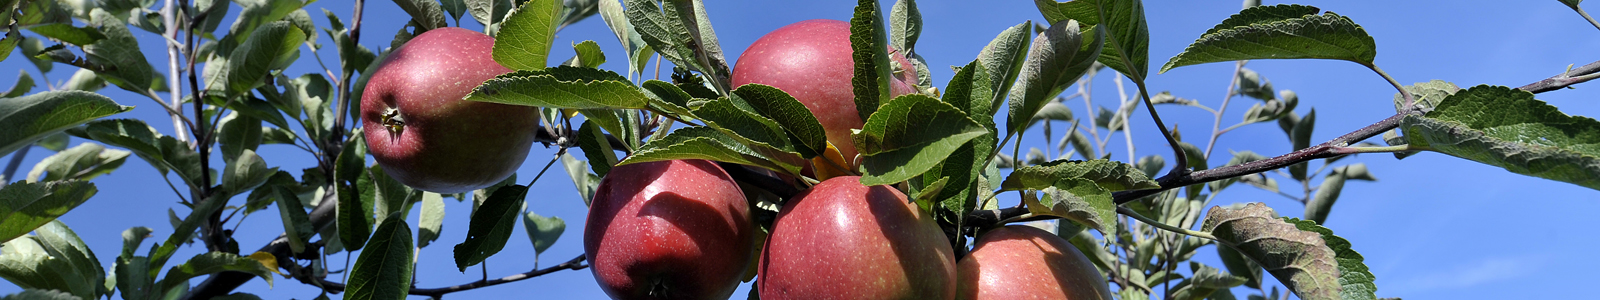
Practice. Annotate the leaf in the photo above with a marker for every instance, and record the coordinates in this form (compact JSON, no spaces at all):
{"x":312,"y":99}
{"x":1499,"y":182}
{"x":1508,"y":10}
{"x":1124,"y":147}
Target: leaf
{"x":588,"y":55}
{"x":83,"y":162}
{"x":491,"y":226}
{"x":246,"y":173}
{"x":1238,"y":265}
{"x":384,"y":270}
{"x":868,"y":47}
{"x":527,"y":35}
{"x":711,"y":144}
{"x":36,"y":294}
{"x":1111,"y":175}
{"x":1308,"y":259}
{"x":131,"y":239}
{"x":596,"y":148}
{"x":64,"y":32}
{"x":905,"y":25}
{"x":1510,"y":129}
{"x":1280,"y":32}
{"x":64,"y":246}
{"x":1321,"y":202}
{"x":1427,"y":94}
{"x":1080,"y":200}
{"x":182,"y":232}
{"x":23,"y":85}
{"x":125,"y":66}
{"x":296,"y":223}
{"x":910,"y":135}
{"x":425,"y":13}
{"x":1058,"y":57}
{"x":212,"y":263}
{"x":562,"y":87}
{"x":1003,"y":59}
{"x":793,"y":117}
{"x":489,"y":12}
{"x":389,"y":195}
{"x":733,"y":117}
{"x":25,"y":206}
{"x":681,"y":33}
{"x":581,"y":178}
{"x":543,"y":231}
{"x":1127,"y":41}
{"x":455,"y":8}
{"x":33,"y":117}
{"x":238,"y":132}
{"x":432,"y":219}
{"x":271,"y":46}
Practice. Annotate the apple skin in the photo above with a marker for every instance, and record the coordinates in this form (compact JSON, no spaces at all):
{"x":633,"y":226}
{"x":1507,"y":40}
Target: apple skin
{"x":443,"y":144}
{"x":678,"y":229}
{"x":845,"y":240}
{"x":811,"y":60}
{"x":1023,"y":262}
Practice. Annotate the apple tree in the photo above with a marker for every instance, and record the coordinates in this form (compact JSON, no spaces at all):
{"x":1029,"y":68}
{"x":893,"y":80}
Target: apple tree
{"x":826,"y":162}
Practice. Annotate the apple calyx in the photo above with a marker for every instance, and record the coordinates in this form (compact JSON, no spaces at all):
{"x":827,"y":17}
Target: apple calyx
{"x":393,"y":121}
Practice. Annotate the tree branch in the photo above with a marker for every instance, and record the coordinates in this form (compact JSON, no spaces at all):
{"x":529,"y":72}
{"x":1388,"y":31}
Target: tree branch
{"x":1565,"y":79}
{"x":575,"y":263}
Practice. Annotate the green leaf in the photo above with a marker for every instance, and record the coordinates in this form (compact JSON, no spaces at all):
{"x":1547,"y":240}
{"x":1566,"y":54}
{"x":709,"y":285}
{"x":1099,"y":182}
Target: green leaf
{"x":133,"y":277}
{"x":711,"y":144}
{"x":33,"y":117}
{"x":489,"y":12}
{"x":581,"y":178}
{"x":1127,"y":45}
{"x":596,"y":148}
{"x":1321,"y":202}
{"x":456,"y":8}
{"x":1510,"y":129}
{"x":1080,"y":200}
{"x":588,"y":55}
{"x":355,"y":208}
{"x":384,"y":270}
{"x":119,"y":51}
{"x":64,"y":245}
{"x":84,"y":162}
{"x":23,"y":85}
{"x":425,"y":13}
{"x":25,"y":206}
{"x":668,"y":98}
{"x":27,"y":263}
{"x":869,"y":43}
{"x":1058,"y":57}
{"x":296,"y":223}
{"x":77,"y":36}
{"x":681,"y":33}
{"x":1308,"y":259}
{"x":432,"y":219}
{"x":212,"y":263}
{"x":562,"y":87}
{"x":905,"y":24}
{"x":910,"y":135}
{"x":36,"y":294}
{"x":527,"y":35}
{"x":1280,"y":32}
{"x":238,"y":133}
{"x":734,"y":117}
{"x":131,"y":239}
{"x":246,"y":173}
{"x":491,"y":226}
{"x":1427,"y":94}
{"x":182,"y":232}
{"x":543,"y":231}
{"x":970,"y":91}
{"x":1300,"y":137}
{"x":794,"y":118}
{"x":1238,"y":265}
{"x":389,"y":196}
{"x":271,"y":46}
{"x":162,"y":152}
{"x":1112,"y":175}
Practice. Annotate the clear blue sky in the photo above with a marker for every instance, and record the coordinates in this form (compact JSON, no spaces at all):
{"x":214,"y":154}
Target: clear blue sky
{"x":1434,"y":227}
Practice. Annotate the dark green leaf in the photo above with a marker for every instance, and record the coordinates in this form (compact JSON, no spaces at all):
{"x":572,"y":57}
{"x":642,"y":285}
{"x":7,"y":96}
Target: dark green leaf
{"x":794,"y":118}
{"x":426,"y":13}
{"x":596,"y":148}
{"x":1240,"y":266}
{"x":78,"y":36}
{"x":1057,"y":58}
{"x":35,"y":294}
{"x":588,"y":55}
{"x":734,"y":117}
{"x":668,"y":98}
{"x":246,"y":173}
{"x":527,"y":35}
{"x":1510,"y":129}
{"x":489,"y":12}
{"x":22,"y":87}
{"x":681,"y":33}
{"x":25,"y":206}
{"x":869,"y":43}
{"x":562,"y":87}
{"x":389,"y":196}
{"x":909,"y":136}
{"x":491,"y":226}
{"x":238,"y":133}
{"x":1280,"y":32}
{"x":131,"y":239}
{"x":354,"y":210}
{"x":384,"y":270}
{"x":119,"y":51}
{"x":711,"y":144}
{"x":271,"y":46}
{"x":456,"y":8}
{"x":1080,"y":200}
{"x":296,"y":223}
{"x":212,"y":263}
{"x":33,"y":117}
{"x":543,"y":231}
{"x":1127,"y":45}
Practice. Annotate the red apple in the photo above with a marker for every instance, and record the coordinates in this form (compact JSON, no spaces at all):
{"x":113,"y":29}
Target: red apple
{"x":811,"y":60}
{"x":844,"y":240}
{"x":422,"y":132}
{"x":1022,"y":262}
{"x":677,"y":229}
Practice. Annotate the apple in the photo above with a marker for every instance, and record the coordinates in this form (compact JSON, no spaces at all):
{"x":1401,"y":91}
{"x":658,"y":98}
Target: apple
{"x":421,"y":131}
{"x":678,"y":229}
{"x":845,"y":240}
{"x":811,"y":60}
{"x":1023,"y":262}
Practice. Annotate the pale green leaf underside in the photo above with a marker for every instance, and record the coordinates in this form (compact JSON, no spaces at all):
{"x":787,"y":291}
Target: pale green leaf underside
{"x":1510,"y":129}
{"x":1079,"y":200}
{"x":1308,"y":259}
{"x":1261,"y":33}
{"x":1111,"y":175}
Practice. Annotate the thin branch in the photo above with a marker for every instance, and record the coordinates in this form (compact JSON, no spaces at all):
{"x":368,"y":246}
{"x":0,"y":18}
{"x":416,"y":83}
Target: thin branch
{"x":1182,"y":166}
{"x":1585,"y":16}
{"x":1565,"y":79}
{"x":1227,"y":97}
{"x":575,"y":263}
{"x":169,"y":16}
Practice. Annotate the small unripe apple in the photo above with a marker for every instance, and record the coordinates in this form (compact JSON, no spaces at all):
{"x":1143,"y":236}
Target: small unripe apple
{"x":845,"y":240}
{"x":1023,"y":262}
{"x":421,"y":131}
{"x":811,"y":60}
{"x":678,"y":229}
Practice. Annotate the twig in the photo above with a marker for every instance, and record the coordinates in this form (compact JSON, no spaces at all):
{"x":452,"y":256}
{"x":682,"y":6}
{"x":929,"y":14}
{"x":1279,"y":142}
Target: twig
{"x":1565,"y":79}
{"x":1585,"y":15}
{"x":1228,"y":97}
{"x":169,"y":15}
{"x":575,"y":263}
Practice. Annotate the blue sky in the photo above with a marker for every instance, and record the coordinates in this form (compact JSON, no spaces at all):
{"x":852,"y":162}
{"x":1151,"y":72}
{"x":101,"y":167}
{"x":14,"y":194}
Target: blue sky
{"x":1433,"y":227}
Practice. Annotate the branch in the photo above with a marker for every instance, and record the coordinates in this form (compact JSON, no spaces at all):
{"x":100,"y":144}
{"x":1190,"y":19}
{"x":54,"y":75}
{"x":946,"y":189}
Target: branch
{"x":1565,"y":79}
{"x":575,"y":263}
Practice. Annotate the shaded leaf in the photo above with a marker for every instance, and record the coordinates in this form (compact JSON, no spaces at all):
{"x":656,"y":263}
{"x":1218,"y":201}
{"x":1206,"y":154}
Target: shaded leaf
{"x":25,"y":206}
{"x":33,"y":117}
{"x":1058,"y":57}
{"x":711,"y":144}
{"x":83,"y":162}
{"x":1079,"y":200}
{"x":543,"y":231}
{"x":1127,"y":41}
{"x":1003,"y":58}
{"x":384,"y":270}
{"x":432,"y":219}
{"x":1110,"y":175}
{"x":212,"y":263}
{"x":1280,"y":32}
{"x":491,"y":226}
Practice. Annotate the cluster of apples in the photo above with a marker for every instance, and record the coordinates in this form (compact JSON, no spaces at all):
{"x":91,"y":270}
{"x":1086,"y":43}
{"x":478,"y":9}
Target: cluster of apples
{"x":683,"y":229}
